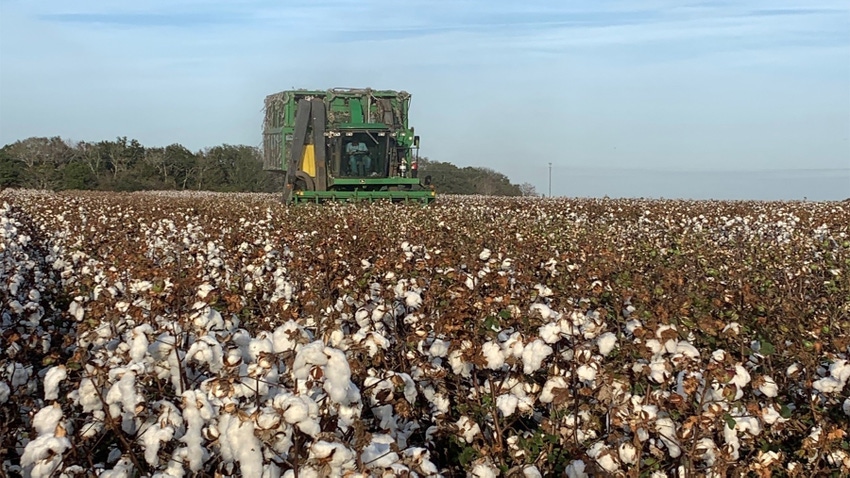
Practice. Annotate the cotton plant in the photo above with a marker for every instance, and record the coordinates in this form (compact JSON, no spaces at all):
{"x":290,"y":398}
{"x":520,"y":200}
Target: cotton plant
{"x":245,"y":342}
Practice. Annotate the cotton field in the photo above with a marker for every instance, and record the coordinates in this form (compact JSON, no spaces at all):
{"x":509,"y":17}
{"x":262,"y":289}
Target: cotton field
{"x":180,"y":334}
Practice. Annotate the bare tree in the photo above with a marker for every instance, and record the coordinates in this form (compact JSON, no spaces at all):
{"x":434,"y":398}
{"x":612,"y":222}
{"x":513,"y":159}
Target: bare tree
{"x":43,"y":159}
{"x":528,"y":190}
{"x":90,"y":155}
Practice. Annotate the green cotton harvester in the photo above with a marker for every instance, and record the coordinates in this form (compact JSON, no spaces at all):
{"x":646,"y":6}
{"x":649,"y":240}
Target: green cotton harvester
{"x":343,"y":144}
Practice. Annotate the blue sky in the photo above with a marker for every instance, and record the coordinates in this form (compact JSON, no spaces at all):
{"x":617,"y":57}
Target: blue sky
{"x":712,"y":99}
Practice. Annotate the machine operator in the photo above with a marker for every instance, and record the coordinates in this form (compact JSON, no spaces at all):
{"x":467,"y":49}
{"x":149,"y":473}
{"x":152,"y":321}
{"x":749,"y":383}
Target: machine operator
{"x":358,"y":153}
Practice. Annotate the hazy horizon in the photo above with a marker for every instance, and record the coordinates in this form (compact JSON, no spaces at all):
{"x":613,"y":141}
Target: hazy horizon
{"x":723,"y":100}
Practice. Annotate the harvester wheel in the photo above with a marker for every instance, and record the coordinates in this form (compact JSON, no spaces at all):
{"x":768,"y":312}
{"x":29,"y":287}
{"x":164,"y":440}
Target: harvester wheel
{"x":303,"y":182}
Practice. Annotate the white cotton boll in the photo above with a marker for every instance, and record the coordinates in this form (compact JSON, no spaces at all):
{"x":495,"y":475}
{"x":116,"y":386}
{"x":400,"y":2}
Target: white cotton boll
{"x":792,"y":369}
{"x":422,"y":460}
{"x":268,"y":418}
{"x":770,"y":415}
{"x":603,"y":456}
{"x":46,"y":419}
{"x":259,"y":346}
{"x":531,"y":471}
{"x":204,"y":290}
{"x":733,"y":444}
{"x":467,"y":428}
{"x":839,"y":374}
{"x":296,"y":409}
{"x":549,"y":389}
{"x":409,"y":387}
{"x":658,"y":370}
{"x":412,"y":299}
{"x":493,"y":354}
{"x":543,"y":290}
{"x":707,"y":451}
{"x":337,"y":376}
{"x":16,"y":307}
{"x":336,"y":339}
{"x":196,"y":411}
{"x":768,"y":387}
{"x":123,"y":393}
{"x":645,"y":412}
{"x":484,"y":470}
{"x":374,"y":342}
{"x":386,"y":418}
{"x":606,"y":343}
{"x":633,"y":325}
{"x":152,"y":439}
{"x":485,"y":254}
{"x":210,"y":319}
{"x":237,"y":442}
{"x":550,"y":333}
{"x":576,"y":469}
{"x":439,"y":402}
{"x":45,"y":455}
{"x":666,"y":429}
{"x":77,"y":310}
{"x":378,"y":453}
{"x":687,"y":349}
{"x":336,"y":455}
{"x":287,"y":336}
{"x":654,"y":346}
{"x":139,"y":344}
{"x":740,"y":380}
{"x":382,"y":314}
{"x":542,"y":310}
{"x":533,"y":356}
{"x":5,"y":392}
{"x":836,"y":458}
{"x":628,"y":453}
{"x":513,"y":346}
{"x":845,"y":406}
{"x":309,"y":355}
{"x":54,"y":376}
{"x":87,"y":396}
{"x":207,"y":350}
{"x":718,"y":355}
{"x":507,"y":403}
{"x":828,"y":385}
{"x":439,"y":348}
{"x":459,"y":365}
{"x":587,"y":373}
{"x":748,"y":424}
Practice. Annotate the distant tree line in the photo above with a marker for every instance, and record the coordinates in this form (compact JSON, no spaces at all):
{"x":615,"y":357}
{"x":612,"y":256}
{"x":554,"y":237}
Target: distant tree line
{"x":125,"y":165}
{"x":450,"y":179}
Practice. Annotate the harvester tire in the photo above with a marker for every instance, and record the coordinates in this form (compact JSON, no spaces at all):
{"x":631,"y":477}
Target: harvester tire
{"x":303,"y":182}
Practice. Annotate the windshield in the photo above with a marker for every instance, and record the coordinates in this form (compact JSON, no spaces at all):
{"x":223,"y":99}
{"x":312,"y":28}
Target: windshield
{"x":362,"y":155}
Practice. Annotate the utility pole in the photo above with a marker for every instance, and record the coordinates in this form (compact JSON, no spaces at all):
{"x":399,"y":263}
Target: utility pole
{"x":550,"y":180}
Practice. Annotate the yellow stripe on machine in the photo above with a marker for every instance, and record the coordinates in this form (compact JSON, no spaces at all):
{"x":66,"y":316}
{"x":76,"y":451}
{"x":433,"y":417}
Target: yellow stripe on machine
{"x":309,"y":160}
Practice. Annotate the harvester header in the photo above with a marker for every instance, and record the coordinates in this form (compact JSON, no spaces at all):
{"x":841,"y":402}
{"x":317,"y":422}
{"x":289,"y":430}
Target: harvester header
{"x":343,"y":144}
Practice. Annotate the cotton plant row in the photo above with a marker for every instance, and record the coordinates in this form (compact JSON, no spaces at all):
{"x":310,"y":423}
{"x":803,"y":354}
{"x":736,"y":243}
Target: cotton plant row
{"x":225,"y":333}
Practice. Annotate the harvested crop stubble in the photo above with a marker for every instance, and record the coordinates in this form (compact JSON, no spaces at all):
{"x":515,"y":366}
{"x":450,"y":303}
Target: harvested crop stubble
{"x":172,"y":333}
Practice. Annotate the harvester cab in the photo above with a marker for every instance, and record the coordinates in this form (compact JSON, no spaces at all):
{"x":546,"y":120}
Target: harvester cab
{"x":343,"y":145}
